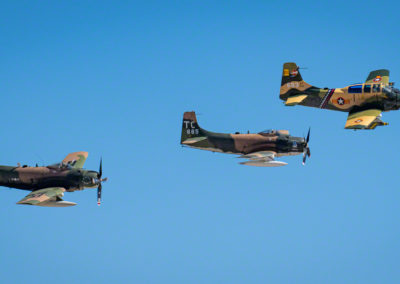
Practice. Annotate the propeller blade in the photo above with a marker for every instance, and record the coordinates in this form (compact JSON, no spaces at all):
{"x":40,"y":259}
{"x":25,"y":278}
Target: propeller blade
{"x":99,"y":194}
{"x":306,"y":151}
{"x":100,"y":168}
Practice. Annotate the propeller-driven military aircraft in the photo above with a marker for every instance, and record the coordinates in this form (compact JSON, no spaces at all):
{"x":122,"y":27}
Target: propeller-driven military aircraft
{"x":364,"y":102}
{"x":48,"y":184}
{"x":259,"y":148}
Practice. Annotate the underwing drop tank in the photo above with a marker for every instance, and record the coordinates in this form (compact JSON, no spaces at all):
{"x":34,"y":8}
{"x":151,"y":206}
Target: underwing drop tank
{"x":264,"y":164}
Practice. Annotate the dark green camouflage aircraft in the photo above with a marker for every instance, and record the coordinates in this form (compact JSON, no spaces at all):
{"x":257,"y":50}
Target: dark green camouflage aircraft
{"x":364,"y":102}
{"x":259,"y":148}
{"x":48,"y":184}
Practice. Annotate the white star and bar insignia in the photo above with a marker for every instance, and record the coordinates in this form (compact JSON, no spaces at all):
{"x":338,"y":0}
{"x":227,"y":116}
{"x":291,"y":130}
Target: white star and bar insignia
{"x":340,"y":101}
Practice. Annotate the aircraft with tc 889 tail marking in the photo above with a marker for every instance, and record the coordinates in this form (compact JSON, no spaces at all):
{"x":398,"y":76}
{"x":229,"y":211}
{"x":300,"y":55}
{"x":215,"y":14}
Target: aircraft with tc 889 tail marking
{"x":259,"y":148}
{"x":49,"y":183}
{"x":364,"y":102}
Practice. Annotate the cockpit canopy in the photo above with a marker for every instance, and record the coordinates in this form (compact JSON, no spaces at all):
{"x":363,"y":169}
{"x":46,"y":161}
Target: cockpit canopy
{"x":60,"y":166}
{"x":355,"y":89}
{"x":274,"y":132}
{"x":370,"y":88}
{"x":268,"y":131}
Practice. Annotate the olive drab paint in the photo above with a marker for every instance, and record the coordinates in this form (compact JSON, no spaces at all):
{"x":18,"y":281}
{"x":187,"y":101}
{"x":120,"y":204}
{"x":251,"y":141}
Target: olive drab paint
{"x":49,"y":183}
{"x":260,"y":148}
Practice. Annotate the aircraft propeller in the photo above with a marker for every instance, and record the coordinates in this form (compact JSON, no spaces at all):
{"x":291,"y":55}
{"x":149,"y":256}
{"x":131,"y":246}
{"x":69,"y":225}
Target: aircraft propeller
{"x":100,"y":180}
{"x":306,"y":151}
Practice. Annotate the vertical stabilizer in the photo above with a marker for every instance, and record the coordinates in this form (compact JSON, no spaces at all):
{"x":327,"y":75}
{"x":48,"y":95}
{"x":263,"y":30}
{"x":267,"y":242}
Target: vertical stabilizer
{"x":190,"y":127}
{"x":292,"y":83}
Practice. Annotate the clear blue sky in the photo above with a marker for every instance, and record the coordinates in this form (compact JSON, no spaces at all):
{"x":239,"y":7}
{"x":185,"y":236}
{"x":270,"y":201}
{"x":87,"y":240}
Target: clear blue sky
{"x":114,"y":78}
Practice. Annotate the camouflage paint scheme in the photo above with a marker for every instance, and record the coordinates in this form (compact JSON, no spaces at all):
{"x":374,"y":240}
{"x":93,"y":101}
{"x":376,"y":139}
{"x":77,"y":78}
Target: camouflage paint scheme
{"x":364,"y":102}
{"x":49,"y":183}
{"x":259,"y":148}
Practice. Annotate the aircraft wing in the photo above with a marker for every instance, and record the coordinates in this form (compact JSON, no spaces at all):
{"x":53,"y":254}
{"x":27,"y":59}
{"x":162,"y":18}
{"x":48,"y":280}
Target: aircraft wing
{"x":366,"y":119}
{"x":76,"y":159}
{"x":295,"y":100}
{"x":378,"y":76}
{"x":48,"y":197}
{"x":262,"y":159}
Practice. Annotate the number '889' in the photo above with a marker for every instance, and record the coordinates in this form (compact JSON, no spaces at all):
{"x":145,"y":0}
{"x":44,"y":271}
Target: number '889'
{"x":192,"y":131}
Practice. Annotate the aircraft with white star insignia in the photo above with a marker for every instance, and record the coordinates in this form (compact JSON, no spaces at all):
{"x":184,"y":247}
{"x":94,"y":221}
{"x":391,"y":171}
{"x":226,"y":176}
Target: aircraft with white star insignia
{"x":364,"y":102}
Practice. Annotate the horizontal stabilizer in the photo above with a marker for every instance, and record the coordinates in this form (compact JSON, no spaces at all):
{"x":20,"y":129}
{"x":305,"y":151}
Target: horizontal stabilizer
{"x":193,"y":140}
{"x":295,"y":100}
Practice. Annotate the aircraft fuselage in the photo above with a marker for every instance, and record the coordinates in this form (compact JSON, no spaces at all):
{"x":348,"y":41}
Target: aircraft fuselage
{"x":281,"y":144}
{"x":33,"y":178}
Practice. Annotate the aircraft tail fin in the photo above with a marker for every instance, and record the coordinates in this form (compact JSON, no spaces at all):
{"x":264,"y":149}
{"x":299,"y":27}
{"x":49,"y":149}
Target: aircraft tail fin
{"x":191,"y":131}
{"x":290,"y":73}
{"x":292,"y":82}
